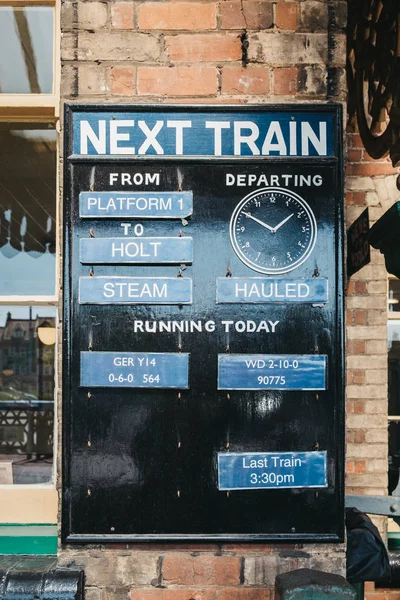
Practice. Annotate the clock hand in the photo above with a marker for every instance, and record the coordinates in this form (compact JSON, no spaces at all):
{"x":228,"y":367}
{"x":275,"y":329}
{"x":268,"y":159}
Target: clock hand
{"x":250,"y":216}
{"x":282,"y":223}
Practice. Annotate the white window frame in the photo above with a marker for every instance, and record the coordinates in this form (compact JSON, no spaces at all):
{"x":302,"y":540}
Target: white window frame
{"x":36,"y":503}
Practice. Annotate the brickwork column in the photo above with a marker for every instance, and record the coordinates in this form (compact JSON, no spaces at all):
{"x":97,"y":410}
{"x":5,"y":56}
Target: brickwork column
{"x":370,"y":184}
{"x":207,"y":51}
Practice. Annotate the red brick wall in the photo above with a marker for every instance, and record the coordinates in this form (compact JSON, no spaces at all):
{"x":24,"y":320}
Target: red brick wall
{"x":233,"y":51}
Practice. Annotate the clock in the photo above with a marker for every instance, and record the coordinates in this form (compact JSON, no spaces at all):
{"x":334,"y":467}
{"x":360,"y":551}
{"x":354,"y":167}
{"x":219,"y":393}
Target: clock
{"x":273,"y":230}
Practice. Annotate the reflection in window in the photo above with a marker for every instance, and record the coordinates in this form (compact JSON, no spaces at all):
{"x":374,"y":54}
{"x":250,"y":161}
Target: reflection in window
{"x":26,"y":42}
{"x":394,"y":296}
{"x":27,"y":209}
{"x":26,"y":393}
{"x":394,"y":400}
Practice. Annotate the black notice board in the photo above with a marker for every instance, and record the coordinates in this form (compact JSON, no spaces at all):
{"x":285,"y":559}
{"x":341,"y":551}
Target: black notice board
{"x":142,"y":463}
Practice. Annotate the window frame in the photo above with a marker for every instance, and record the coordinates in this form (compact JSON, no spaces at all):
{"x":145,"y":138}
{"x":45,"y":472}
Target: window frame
{"x":37,"y":503}
{"x":36,"y":107}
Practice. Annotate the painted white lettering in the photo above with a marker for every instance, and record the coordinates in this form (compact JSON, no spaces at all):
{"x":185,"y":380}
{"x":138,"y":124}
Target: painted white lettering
{"x":98,"y":141}
{"x":292,"y":138}
{"x":151,"y":137}
{"x":117,"y":136}
{"x":241,"y":138}
{"x":274,"y":131}
{"x":308,"y":136}
{"x":179,"y":127}
{"x":218,"y":126}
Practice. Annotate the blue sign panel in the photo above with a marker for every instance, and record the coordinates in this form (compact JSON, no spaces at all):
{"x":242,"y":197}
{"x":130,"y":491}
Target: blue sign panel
{"x":135,"y":290}
{"x":265,"y":470}
{"x":139,"y":205}
{"x":231,"y":133}
{"x":272,"y":371}
{"x":147,"y":250}
{"x":257,"y":290}
{"x":135,"y":369}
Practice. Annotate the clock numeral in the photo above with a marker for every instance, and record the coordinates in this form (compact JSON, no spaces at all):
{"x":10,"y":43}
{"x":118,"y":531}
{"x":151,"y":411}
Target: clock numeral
{"x":303,"y":229}
{"x":258,"y":255}
{"x":273,"y":258}
{"x":300,"y":244}
{"x":287,"y":202}
{"x":257,"y":203}
{"x":244,"y":229}
{"x":289,"y":255}
{"x":299,"y":214}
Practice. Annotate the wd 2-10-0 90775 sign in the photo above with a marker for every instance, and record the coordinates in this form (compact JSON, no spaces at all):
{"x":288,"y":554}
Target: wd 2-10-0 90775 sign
{"x":203,"y":363}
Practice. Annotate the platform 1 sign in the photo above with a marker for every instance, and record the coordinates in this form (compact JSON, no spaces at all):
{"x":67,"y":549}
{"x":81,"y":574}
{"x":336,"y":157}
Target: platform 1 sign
{"x":143,"y":205}
{"x":135,"y":370}
{"x":271,"y":371}
{"x":272,"y":470}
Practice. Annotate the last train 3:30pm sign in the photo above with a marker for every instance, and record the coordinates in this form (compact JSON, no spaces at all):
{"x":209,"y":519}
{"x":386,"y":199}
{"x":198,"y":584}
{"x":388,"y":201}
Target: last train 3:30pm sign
{"x":203,"y":319}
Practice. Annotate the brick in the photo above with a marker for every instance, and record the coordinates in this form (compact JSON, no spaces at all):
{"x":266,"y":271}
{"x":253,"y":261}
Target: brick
{"x":356,"y":406}
{"x":367,"y":362}
{"x":360,"y":466}
{"x":313,"y":81}
{"x":377,"y":465}
{"x":376,"y":436}
{"x":92,"y":80}
{"x":368,"y":451}
{"x":262,"y":570}
{"x":369,"y":302}
{"x":376,"y":376}
{"x":366,"y":391}
{"x":285,"y":81}
{"x":177,"y":81}
{"x":372,"y":170}
{"x":250,"y":80}
{"x":314,"y":15}
{"x":183,"y":569}
{"x":203,"y":47}
{"x":174,"y":594}
{"x":360,"y":183}
{"x":179,"y":15}
{"x":358,"y":198}
{"x":83,"y":15}
{"x":245,"y":594}
{"x":365,"y":421}
{"x":367,"y":332}
{"x":114,"y":46}
{"x":377,"y":287}
{"x":137,"y":568}
{"x":338,"y":14}
{"x":69,"y":80}
{"x":288,"y":49}
{"x":354,"y":155}
{"x":122,"y":81}
{"x":249,"y":15}
{"x":286,"y":15}
{"x":368,"y":480}
{"x":376,"y":347}
{"x":122,"y":15}
{"x":355,"y":347}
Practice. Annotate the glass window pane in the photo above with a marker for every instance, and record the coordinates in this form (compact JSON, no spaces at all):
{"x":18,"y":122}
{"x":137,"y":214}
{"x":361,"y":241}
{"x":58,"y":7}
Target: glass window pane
{"x":394,"y":295}
{"x":394,"y":400}
{"x":27,"y":209}
{"x":26,"y":50}
{"x":27,"y":336}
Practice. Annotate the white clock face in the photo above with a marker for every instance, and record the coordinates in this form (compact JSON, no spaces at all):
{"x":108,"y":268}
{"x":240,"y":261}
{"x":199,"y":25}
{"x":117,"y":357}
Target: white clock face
{"x":273,"y":230}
